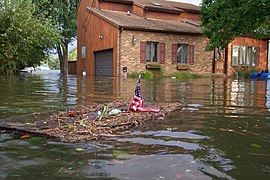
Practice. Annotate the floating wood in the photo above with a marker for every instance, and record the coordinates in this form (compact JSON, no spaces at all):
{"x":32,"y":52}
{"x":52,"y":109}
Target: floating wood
{"x":82,"y":123}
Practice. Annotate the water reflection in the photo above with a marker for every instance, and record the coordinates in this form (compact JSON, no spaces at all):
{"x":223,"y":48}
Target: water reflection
{"x":221,"y":132}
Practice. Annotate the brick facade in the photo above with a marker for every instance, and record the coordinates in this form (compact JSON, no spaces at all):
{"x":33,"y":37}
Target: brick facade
{"x":130,"y":52}
{"x":169,"y":24}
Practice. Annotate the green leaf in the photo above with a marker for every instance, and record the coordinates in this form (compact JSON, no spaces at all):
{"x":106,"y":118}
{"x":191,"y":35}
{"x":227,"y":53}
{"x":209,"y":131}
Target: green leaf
{"x":255,"y":145}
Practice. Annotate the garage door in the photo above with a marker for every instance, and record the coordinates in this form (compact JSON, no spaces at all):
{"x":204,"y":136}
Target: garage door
{"x":104,"y":63}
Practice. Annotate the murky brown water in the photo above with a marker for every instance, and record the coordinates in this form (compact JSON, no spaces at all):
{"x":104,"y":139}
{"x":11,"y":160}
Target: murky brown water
{"x":222,"y":132}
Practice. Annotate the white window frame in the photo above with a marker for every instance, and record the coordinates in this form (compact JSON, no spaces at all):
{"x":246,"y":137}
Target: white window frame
{"x":83,"y":51}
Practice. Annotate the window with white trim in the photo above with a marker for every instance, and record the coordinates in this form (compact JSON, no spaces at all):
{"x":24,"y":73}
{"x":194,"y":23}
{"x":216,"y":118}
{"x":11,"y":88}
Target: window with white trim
{"x":244,"y":56}
{"x":83,"y":51}
{"x":182,"y":53}
{"x":152,"y":52}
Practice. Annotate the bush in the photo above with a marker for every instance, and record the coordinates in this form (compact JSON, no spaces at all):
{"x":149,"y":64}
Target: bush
{"x":144,"y":74}
{"x":183,"y":75}
{"x":243,"y":73}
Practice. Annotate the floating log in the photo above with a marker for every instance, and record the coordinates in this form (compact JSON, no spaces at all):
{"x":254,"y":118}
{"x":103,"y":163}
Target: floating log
{"x":83,"y":123}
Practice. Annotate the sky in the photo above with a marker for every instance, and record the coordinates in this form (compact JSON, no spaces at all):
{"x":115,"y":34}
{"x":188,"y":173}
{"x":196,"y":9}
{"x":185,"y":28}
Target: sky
{"x":196,"y":2}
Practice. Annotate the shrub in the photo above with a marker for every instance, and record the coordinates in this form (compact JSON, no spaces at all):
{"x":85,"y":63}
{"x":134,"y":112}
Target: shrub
{"x":144,"y":74}
{"x":243,"y":73}
{"x":183,"y":75}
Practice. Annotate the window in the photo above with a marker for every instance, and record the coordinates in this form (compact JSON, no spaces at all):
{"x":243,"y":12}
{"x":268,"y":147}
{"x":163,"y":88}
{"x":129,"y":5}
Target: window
{"x":243,"y":56}
{"x":235,"y":55}
{"x":253,"y":56}
{"x":151,"y":52}
{"x":249,"y":55}
{"x":182,"y":53}
{"x":83,"y":51}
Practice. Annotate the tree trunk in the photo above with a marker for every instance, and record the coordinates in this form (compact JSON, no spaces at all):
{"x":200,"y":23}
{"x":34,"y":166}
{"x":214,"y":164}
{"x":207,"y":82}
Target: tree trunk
{"x":62,"y":51}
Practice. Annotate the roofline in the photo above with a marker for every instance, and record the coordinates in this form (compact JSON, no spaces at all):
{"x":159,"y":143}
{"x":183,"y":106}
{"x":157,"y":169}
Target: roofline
{"x":163,"y":9}
{"x":98,"y":15}
{"x":159,"y":31}
{"x":119,"y":1}
{"x":131,"y":2}
{"x":254,"y":37}
{"x":140,"y":28}
{"x":191,"y":10}
{"x":178,"y":5}
{"x":139,"y":5}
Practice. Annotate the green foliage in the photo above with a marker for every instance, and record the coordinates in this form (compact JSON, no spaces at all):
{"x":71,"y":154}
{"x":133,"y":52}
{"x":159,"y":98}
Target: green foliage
{"x":223,"y":20}
{"x":72,"y":55}
{"x":36,"y":140}
{"x":183,"y":75}
{"x":24,"y":38}
{"x":243,"y":73}
{"x":147,"y":75}
{"x":255,"y":145}
{"x":63,"y":13}
{"x":144,"y":75}
{"x":53,"y":62}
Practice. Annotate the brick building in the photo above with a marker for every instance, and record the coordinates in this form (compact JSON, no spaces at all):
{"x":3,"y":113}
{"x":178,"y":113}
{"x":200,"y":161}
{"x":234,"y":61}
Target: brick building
{"x":138,"y":34}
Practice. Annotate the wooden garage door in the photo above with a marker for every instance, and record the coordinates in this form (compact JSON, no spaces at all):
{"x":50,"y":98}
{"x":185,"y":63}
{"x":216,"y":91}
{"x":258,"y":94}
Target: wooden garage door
{"x":104,"y":63}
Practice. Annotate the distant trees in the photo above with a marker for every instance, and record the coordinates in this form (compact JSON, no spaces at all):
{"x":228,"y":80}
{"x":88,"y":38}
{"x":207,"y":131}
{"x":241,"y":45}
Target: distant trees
{"x":72,"y":55}
{"x":223,"y":20}
{"x":30,"y":28}
{"x":24,"y":38}
{"x":63,"y":13}
{"x":53,"y":62}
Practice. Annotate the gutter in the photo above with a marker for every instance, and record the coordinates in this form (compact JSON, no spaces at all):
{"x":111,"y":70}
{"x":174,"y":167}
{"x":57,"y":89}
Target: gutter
{"x":160,"y":30}
{"x":166,"y":10}
{"x":118,"y":1}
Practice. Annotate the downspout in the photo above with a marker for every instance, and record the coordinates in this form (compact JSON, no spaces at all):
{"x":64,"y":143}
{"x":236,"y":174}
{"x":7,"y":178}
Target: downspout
{"x":119,"y":50}
{"x":214,"y":61}
{"x":226,"y":61}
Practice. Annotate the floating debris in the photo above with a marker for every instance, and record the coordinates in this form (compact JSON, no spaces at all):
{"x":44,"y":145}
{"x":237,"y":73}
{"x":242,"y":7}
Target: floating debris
{"x":85,"y":123}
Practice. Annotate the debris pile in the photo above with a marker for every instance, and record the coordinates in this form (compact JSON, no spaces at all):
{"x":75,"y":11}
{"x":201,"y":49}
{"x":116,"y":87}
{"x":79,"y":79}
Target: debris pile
{"x":86,"y":123}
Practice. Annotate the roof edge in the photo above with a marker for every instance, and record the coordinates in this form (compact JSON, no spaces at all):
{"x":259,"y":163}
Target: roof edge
{"x":118,"y":1}
{"x":160,"y":31}
{"x":90,"y":10}
{"x":163,"y":10}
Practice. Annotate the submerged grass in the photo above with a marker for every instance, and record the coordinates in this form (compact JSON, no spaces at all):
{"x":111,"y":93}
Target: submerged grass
{"x":183,"y":75}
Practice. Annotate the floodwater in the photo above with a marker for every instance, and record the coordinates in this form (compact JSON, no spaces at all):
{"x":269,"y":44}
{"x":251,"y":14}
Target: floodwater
{"x":222,"y":131}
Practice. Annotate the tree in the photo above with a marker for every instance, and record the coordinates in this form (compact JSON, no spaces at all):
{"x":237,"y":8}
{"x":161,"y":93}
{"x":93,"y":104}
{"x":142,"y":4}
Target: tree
{"x":64,"y":15}
{"x":24,"y":39}
{"x":72,"y":55}
{"x":223,"y":20}
{"x":53,"y":62}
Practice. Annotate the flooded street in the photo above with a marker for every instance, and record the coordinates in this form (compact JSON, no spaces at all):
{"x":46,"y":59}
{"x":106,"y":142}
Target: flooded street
{"x":222,"y":131}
